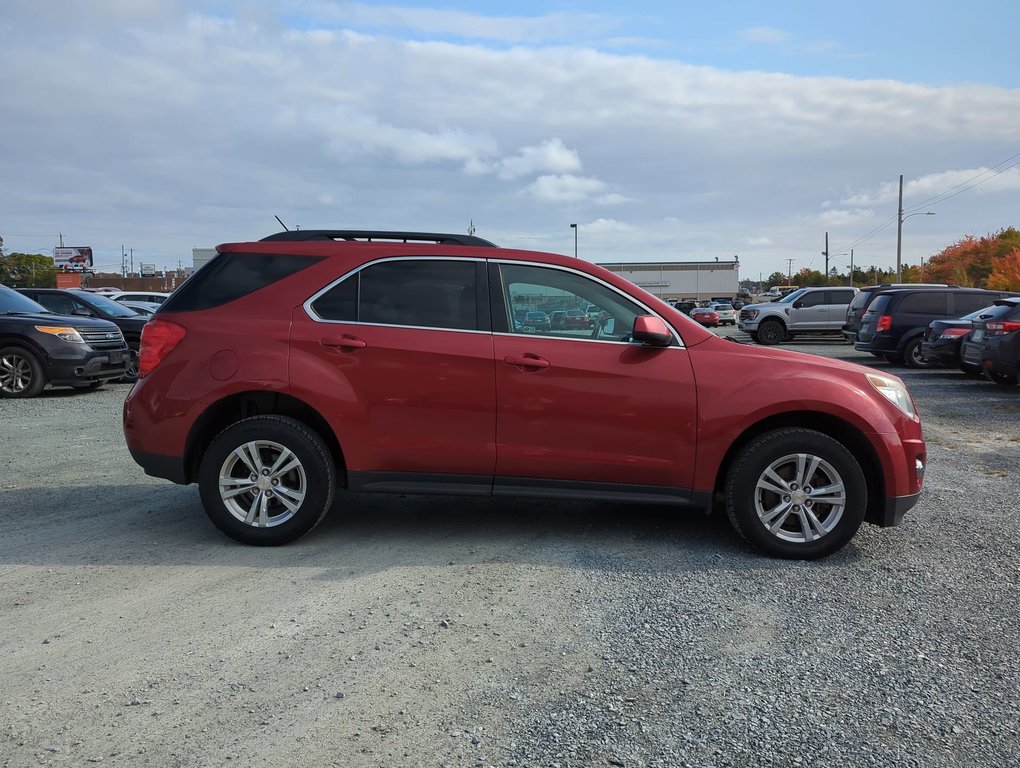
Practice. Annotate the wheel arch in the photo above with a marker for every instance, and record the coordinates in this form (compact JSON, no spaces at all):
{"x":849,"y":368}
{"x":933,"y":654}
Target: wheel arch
{"x":909,"y":336}
{"x":241,"y":405}
{"x":827,"y":424}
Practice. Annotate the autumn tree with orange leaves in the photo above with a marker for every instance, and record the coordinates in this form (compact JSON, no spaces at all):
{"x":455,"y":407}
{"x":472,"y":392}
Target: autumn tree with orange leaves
{"x":977,"y":262}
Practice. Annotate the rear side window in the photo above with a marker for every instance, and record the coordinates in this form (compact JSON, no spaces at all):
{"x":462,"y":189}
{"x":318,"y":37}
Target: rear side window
{"x":860,"y":301}
{"x":417,"y":292}
{"x":840,"y":297}
{"x":925,"y":303}
{"x":230,"y":276}
{"x":963,"y":303}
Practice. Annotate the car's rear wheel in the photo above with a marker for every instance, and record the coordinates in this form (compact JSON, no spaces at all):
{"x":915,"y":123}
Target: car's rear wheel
{"x":913,"y":357}
{"x":796,"y":493}
{"x":771,"y":332}
{"x":21,"y":373}
{"x":1003,"y":379}
{"x":267,"y":480}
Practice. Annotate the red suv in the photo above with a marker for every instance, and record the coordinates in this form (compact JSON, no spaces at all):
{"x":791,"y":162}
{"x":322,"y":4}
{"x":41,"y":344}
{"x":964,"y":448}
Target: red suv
{"x":309,"y":361}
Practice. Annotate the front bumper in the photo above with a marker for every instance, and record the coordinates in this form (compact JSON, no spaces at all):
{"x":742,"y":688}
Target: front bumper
{"x":100,"y":366}
{"x":895,"y":509}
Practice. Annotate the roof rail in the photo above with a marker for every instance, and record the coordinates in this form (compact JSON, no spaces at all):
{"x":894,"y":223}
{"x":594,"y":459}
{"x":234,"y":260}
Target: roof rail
{"x":304,"y":235}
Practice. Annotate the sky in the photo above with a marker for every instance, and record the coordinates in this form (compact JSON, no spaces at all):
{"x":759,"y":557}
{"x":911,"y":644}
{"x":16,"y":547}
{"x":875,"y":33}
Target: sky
{"x":664,"y":130}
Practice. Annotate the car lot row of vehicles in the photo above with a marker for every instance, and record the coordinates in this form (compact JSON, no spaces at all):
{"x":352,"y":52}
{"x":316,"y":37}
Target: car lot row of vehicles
{"x":922,"y":326}
{"x":69,"y":337}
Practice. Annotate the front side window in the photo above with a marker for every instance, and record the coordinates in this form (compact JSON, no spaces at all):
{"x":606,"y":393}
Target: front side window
{"x":813,"y":299}
{"x":590,"y":309}
{"x":410,"y":292}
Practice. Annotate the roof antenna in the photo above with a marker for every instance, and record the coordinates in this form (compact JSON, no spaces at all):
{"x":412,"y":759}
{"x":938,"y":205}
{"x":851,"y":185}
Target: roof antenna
{"x":281,"y":222}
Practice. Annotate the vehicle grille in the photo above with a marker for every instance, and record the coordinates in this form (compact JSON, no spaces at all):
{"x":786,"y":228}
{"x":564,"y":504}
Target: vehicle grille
{"x":745,"y":314}
{"x":98,"y":338}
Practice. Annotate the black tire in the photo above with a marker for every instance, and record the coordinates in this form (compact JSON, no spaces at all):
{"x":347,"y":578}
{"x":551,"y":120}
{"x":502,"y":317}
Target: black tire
{"x":1002,"y":379}
{"x":131,"y":374}
{"x":275,"y":438}
{"x":893,"y":357}
{"x":790,"y":336}
{"x":771,"y":332}
{"x":912,"y":355}
{"x":754,"y":336}
{"x":21,"y":373}
{"x":751,"y":508}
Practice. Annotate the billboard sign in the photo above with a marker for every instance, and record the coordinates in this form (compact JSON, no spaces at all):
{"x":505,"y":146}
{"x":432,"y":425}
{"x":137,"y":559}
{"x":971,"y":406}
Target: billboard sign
{"x":78,"y":259}
{"x":148,"y":270}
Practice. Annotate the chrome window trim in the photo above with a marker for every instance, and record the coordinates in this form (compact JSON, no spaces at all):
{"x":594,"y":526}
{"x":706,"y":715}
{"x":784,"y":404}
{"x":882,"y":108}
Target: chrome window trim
{"x":676,"y":337}
{"x":316,"y":318}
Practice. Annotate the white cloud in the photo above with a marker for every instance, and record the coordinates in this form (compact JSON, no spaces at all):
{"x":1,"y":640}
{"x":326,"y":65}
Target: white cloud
{"x":983,"y":181}
{"x":767,"y":35}
{"x":171,"y":130}
{"x":565,"y":189}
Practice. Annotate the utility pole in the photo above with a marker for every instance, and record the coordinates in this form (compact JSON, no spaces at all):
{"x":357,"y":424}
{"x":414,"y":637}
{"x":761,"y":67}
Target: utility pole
{"x":574,"y":227}
{"x":899,"y":234}
{"x":826,"y":252}
{"x":789,"y":271}
{"x":851,"y":267}
{"x":123,"y":262}
{"x":61,"y":240}
{"x":132,"y":262}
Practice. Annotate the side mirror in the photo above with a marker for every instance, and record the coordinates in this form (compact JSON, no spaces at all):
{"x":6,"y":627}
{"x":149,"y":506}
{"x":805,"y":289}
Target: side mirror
{"x":651,"y":330}
{"x":798,"y":304}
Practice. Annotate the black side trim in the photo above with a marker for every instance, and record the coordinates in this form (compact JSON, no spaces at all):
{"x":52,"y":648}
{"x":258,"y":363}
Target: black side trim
{"x":420,"y":482}
{"x":305,"y":235}
{"x":572,"y":489}
{"x":483,"y":485}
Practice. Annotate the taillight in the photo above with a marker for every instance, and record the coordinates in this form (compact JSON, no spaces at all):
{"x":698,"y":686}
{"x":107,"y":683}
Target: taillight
{"x":997,"y":329}
{"x":884,"y":323}
{"x":159,"y":337}
{"x":953,"y":333}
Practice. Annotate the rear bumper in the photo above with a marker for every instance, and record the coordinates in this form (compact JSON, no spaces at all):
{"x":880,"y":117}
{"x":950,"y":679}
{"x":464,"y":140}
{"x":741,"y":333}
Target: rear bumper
{"x":167,"y":467}
{"x":877,"y":343}
{"x":947,"y":355}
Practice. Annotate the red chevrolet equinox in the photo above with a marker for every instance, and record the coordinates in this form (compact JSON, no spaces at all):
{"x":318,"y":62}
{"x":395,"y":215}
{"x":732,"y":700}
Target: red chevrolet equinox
{"x":312,"y":361}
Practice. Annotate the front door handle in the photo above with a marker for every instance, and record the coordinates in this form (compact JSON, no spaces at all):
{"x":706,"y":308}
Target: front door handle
{"x":526,"y":360}
{"x":344,"y":342}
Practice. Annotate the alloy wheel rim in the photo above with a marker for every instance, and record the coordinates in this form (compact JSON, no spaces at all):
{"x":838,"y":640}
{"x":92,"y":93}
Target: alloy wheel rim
{"x":15,"y":374}
{"x":262,"y":483}
{"x":800,"y":498}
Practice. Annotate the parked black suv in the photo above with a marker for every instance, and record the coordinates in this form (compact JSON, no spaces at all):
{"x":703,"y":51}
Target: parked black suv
{"x":85,"y":304}
{"x":896,"y":320}
{"x":859,"y":303}
{"x":994,"y":343}
{"x":38,"y":348}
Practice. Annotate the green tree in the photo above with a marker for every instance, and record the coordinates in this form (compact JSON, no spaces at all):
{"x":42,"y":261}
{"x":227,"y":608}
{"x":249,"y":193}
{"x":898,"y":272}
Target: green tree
{"x":776,"y":278}
{"x":27,"y":270}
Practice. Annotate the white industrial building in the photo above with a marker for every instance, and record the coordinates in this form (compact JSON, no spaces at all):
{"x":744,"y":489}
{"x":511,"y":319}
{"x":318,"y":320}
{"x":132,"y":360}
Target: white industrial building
{"x":696,"y":280}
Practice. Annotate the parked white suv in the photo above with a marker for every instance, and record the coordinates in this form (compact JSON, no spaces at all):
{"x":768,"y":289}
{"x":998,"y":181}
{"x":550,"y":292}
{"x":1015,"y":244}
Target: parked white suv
{"x":806,"y":309}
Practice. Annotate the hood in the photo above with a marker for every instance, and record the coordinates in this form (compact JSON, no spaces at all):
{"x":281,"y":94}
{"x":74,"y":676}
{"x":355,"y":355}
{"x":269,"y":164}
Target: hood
{"x":778,"y":356}
{"x":49,"y":318}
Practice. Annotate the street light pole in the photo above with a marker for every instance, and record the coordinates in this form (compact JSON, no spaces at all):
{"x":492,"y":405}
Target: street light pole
{"x":574,"y":227}
{"x":900,"y":218}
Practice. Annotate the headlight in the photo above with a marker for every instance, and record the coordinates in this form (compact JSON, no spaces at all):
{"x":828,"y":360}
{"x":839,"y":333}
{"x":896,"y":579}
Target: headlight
{"x":749,"y":314}
{"x":894,"y":391}
{"x":62,"y":332}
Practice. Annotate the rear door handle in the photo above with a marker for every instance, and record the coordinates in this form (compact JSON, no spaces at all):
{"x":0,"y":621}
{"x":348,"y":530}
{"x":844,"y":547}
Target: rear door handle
{"x":526,"y":360}
{"x":343,"y":342}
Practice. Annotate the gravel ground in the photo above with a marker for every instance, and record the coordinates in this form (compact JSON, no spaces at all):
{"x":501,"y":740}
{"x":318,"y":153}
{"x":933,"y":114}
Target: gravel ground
{"x":426,"y":631}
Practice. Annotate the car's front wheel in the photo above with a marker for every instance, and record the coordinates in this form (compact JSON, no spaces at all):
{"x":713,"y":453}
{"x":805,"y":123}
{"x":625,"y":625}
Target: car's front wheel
{"x":796,"y":493}
{"x":1003,"y":379}
{"x":267,"y":480}
{"x":771,"y":332}
{"x":21,"y":373}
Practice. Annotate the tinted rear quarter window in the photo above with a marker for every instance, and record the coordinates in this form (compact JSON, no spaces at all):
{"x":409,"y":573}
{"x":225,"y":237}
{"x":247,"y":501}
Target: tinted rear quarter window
{"x":964,"y":303}
{"x":230,"y":276}
{"x":924,"y":303}
{"x":879,"y":304}
{"x":840,"y":297}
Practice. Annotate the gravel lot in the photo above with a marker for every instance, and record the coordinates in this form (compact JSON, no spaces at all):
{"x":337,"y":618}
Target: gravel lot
{"x":425,"y":631}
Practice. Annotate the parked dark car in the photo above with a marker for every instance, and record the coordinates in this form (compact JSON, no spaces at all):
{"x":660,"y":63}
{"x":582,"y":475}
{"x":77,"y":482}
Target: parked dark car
{"x":863,"y":297}
{"x":993,"y":346}
{"x":86,"y":304}
{"x":896,"y":320}
{"x":38,"y":347}
{"x":942,"y":340}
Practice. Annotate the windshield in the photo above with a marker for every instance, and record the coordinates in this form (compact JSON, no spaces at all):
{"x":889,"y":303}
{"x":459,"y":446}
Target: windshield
{"x":12,"y":302}
{"x":109,"y":306}
{"x":792,"y":296}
